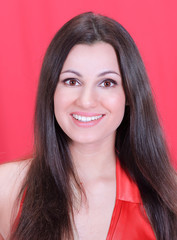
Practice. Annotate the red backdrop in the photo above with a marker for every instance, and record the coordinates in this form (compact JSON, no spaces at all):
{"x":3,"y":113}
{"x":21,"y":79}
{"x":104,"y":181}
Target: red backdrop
{"x":26,"y":28}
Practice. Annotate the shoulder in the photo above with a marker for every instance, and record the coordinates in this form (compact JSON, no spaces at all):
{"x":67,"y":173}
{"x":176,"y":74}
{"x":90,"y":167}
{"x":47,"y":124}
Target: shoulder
{"x":12,"y":176}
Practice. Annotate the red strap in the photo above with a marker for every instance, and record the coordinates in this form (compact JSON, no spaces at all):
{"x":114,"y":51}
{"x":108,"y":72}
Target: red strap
{"x":19,"y":211}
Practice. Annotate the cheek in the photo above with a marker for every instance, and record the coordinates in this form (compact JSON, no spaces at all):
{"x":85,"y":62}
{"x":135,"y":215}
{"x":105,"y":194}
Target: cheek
{"x":59,"y":103}
{"x":116,"y":103}
{"x":63,"y":100}
{"x":60,"y":100}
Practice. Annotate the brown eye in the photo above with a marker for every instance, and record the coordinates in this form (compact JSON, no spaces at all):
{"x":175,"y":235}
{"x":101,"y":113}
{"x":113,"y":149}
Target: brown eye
{"x":108,"y":83}
{"x":71,"y":82}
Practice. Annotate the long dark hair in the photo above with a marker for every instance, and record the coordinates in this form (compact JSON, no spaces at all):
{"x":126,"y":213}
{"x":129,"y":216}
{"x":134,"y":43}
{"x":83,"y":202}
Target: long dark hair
{"x":48,"y":206}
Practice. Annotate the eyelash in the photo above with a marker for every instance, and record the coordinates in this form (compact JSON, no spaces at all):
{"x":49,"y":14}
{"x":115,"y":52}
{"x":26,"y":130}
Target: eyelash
{"x":69,"y":80}
{"x":77,"y":83}
{"x":112,"y":82}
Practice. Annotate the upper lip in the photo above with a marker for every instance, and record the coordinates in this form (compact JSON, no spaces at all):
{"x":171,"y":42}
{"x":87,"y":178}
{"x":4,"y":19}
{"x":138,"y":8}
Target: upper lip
{"x":87,"y":114}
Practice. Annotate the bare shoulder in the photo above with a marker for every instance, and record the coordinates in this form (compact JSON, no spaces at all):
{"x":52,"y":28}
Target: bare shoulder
{"x":13,"y":173}
{"x":12,"y":176}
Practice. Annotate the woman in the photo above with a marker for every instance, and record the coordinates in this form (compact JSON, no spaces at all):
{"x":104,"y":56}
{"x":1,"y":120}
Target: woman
{"x":100,"y":168}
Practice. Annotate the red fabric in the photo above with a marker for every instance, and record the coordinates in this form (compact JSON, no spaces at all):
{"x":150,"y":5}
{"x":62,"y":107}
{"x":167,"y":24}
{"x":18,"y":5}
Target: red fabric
{"x":129,"y":220}
{"x":1,"y":238}
{"x":19,"y":212}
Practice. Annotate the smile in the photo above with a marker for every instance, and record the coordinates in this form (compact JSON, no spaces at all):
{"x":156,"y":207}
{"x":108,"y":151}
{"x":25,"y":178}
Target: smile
{"x":86,"y":119}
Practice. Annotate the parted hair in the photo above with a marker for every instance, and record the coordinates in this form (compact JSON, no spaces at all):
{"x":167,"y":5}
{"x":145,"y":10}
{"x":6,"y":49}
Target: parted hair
{"x":47,"y":212}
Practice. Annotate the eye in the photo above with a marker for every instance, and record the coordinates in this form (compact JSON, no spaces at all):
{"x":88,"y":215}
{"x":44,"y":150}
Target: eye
{"x":108,"y":83}
{"x":71,"y":82}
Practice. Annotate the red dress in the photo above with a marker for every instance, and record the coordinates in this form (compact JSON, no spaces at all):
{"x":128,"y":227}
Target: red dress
{"x":129,"y":220}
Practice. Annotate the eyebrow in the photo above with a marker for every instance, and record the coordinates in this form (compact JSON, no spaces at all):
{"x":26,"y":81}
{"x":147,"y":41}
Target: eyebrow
{"x":99,"y":75}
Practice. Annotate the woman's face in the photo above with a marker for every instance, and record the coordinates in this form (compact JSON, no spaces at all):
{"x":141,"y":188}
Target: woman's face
{"x":89,"y":100}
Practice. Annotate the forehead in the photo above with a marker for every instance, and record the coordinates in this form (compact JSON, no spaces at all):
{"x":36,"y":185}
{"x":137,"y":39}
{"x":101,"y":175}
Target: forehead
{"x":97,"y":55}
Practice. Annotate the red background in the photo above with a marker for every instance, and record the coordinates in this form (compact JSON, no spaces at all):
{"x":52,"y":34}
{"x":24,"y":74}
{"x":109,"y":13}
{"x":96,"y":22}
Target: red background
{"x":27,"y":27}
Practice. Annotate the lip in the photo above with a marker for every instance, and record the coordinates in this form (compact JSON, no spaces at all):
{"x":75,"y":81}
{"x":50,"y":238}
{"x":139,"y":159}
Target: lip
{"x":86,"y":124}
{"x":87,"y":114}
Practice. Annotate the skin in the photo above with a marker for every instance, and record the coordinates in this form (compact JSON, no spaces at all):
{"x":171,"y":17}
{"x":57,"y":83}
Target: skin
{"x":92,"y":144}
{"x":89,"y":85}
{"x":11,"y":179}
{"x":90,"y":94}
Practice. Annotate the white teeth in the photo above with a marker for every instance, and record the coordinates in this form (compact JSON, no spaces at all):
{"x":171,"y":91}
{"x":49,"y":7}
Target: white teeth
{"x":86,"y":119}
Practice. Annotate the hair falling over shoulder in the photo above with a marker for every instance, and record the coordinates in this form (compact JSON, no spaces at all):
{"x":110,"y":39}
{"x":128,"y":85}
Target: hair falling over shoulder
{"x":48,"y":206}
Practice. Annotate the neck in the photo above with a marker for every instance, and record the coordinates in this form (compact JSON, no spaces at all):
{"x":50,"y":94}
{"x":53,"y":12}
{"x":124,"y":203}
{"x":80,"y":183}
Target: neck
{"x":93,"y":160}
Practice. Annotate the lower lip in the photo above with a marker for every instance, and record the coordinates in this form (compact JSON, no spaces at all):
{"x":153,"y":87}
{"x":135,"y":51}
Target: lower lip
{"x":86,"y":124}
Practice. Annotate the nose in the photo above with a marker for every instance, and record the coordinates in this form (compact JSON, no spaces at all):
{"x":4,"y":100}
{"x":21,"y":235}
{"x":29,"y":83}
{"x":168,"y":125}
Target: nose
{"x":87,"y":98}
